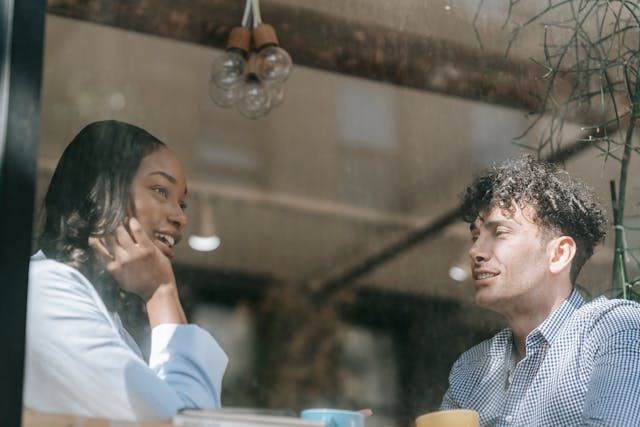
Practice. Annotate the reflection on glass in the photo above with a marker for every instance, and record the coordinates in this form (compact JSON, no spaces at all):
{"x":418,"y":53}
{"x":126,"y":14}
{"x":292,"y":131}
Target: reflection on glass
{"x":380,"y":132}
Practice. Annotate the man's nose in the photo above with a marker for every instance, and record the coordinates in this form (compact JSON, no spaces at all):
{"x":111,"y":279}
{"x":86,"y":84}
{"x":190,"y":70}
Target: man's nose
{"x":479,"y":251}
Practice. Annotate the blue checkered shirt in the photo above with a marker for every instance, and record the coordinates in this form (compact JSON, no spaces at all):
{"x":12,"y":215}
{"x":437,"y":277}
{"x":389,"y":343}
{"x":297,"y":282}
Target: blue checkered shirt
{"x":582,"y":367}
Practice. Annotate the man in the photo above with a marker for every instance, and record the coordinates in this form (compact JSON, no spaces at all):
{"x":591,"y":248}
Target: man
{"x":561,"y":361}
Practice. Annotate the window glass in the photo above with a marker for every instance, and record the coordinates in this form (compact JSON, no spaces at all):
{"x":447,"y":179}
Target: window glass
{"x":311,"y":292}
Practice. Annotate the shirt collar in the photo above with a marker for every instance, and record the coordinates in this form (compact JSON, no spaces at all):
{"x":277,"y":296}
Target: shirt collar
{"x":38,"y":256}
{"x":502,"y":343}
{"x":552,"y":324}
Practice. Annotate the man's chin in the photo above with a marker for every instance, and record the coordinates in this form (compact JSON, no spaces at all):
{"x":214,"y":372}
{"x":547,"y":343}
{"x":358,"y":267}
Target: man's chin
{"x":484,"y":299}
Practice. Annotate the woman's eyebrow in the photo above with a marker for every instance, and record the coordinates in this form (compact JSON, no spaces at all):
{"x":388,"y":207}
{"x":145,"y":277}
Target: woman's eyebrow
{"x":170,"y":178}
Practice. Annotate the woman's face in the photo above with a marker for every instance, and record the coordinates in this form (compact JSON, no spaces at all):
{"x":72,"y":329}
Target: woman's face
{"x":158,"y":192}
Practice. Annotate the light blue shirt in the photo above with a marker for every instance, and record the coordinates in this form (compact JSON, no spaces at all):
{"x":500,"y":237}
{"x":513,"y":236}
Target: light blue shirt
{"x":80,"y":359}
{"x":582,"y":367}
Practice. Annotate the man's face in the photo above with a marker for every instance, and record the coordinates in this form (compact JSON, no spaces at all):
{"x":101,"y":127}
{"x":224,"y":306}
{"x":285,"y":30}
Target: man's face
{"x":509,"y":259}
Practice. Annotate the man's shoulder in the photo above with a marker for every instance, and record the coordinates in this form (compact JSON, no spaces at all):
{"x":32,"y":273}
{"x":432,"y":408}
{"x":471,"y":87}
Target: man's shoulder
{"x":491,"y":347}
{"x":607,"y":316}
{"x":473,"y":364}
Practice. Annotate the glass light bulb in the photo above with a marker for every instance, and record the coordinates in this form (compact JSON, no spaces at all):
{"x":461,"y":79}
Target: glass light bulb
{"x":274,"y":64}
{"x":276,"y":94}
{"x":225,"y":98}
{"x":204,"y":243}
{"x":228,"y":69}
{"x":253,"y":99}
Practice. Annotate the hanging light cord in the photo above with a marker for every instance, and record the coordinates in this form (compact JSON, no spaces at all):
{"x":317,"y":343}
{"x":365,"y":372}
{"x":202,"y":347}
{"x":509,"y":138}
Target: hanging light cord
{"x":257,"y":17}
{"x":247,"y":13}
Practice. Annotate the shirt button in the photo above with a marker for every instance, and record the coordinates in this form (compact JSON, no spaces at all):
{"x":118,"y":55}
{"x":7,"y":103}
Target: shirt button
{"x":508,"y":418}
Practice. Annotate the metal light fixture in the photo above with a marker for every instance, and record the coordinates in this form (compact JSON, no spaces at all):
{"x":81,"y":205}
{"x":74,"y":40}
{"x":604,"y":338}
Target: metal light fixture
{"x":207,"y":240}
{"x":251,"y":81}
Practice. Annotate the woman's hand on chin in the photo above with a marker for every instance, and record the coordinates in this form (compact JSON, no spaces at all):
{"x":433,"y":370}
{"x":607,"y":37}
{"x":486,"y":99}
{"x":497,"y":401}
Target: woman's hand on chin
{"x":133,"y":260}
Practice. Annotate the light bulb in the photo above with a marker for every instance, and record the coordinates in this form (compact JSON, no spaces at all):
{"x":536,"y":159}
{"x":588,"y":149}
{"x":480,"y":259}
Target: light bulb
{"x":274,"y":64}
{"x":204,"y":243}
{"x":276,"y":94}
{"x":225,"y":98}
{"x":253,"y":98}
{"x":458,"y":273}
{"x":228,"y":69}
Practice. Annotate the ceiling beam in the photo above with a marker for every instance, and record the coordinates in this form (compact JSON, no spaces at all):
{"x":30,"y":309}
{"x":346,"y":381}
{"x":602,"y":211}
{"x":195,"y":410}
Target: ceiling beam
{"x":331,"y":43}
{"x":345,"y":275}
{"x":291,"y":203}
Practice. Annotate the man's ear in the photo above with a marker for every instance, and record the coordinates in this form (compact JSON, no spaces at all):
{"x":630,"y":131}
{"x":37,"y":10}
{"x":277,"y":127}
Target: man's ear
{"x":563,"y":249}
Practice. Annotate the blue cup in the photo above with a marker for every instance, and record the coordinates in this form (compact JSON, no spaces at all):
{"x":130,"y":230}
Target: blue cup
{"x":334,"y":417}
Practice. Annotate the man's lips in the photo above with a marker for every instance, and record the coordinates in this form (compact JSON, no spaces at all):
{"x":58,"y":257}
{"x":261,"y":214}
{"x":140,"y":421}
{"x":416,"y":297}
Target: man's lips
{"x":484,"y":274}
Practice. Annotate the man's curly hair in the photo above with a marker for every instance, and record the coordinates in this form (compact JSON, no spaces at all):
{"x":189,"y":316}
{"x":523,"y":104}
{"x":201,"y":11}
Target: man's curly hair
{"x":562,"y":205}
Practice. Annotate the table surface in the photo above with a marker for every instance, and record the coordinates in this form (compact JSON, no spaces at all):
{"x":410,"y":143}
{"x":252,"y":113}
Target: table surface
{"x":39,"y":419}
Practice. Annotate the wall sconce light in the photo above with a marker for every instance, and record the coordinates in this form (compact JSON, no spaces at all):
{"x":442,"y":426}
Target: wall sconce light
{"x":207,"y":240}
{"x":251,"y":80}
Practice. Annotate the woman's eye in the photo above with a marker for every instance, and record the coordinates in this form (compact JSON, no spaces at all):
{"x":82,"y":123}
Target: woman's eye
{"x":161,"y":190}
{"x":183,"y":206}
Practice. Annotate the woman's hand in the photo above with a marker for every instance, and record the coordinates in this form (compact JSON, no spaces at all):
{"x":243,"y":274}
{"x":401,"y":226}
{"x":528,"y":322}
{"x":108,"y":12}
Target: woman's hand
{"x":133,"y":260}
{"x":141,"y":268}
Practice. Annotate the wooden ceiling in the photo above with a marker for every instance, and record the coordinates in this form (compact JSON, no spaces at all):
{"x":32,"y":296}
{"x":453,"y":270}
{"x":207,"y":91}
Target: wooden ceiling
{"x":333,"y":226}
{"x":332,"y":43}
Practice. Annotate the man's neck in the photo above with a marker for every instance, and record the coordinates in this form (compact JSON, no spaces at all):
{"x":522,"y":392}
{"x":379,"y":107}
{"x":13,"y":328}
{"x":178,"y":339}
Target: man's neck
{"x":525,"y":319}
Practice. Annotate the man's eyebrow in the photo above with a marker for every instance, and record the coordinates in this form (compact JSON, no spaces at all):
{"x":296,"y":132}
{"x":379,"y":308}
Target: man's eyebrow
{"x":498,"y":222}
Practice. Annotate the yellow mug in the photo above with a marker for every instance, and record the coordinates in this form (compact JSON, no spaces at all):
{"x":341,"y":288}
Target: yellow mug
{"x":449,"y":418}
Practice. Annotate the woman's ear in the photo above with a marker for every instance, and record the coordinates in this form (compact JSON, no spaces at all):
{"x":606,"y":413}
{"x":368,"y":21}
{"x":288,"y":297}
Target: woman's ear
{"x":563,"y":249}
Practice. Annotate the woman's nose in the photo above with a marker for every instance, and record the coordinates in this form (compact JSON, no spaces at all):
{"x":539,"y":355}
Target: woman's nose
{"x":178,"y":218}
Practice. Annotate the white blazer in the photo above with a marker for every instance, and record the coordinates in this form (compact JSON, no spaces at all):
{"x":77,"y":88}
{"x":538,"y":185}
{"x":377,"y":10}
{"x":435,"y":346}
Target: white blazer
{"x":80,"y":359}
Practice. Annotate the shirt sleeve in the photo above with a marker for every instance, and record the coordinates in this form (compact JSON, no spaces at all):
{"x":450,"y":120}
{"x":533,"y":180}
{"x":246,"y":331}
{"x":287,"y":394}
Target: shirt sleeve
{"x":77,"y":362}
{"x":448,"y":401}
{"x":612,"y":397}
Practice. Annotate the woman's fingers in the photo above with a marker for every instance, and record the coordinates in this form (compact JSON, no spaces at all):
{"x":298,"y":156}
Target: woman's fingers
{"x":366,"y":412}
{"x":124,"y":238}
{"x":119,"y":252}
{"x":133,"y":260}
{"x":137,"y":233}
{"x":101,"y":250}
{"x":109,"y":255}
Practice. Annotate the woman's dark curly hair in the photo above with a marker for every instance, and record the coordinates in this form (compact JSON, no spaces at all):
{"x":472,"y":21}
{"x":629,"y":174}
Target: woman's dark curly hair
{"x":89,"y":195}
{"x":562,"y":205}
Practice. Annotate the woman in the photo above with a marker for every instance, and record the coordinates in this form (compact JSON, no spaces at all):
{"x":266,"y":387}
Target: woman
{"x":112,"y":214}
